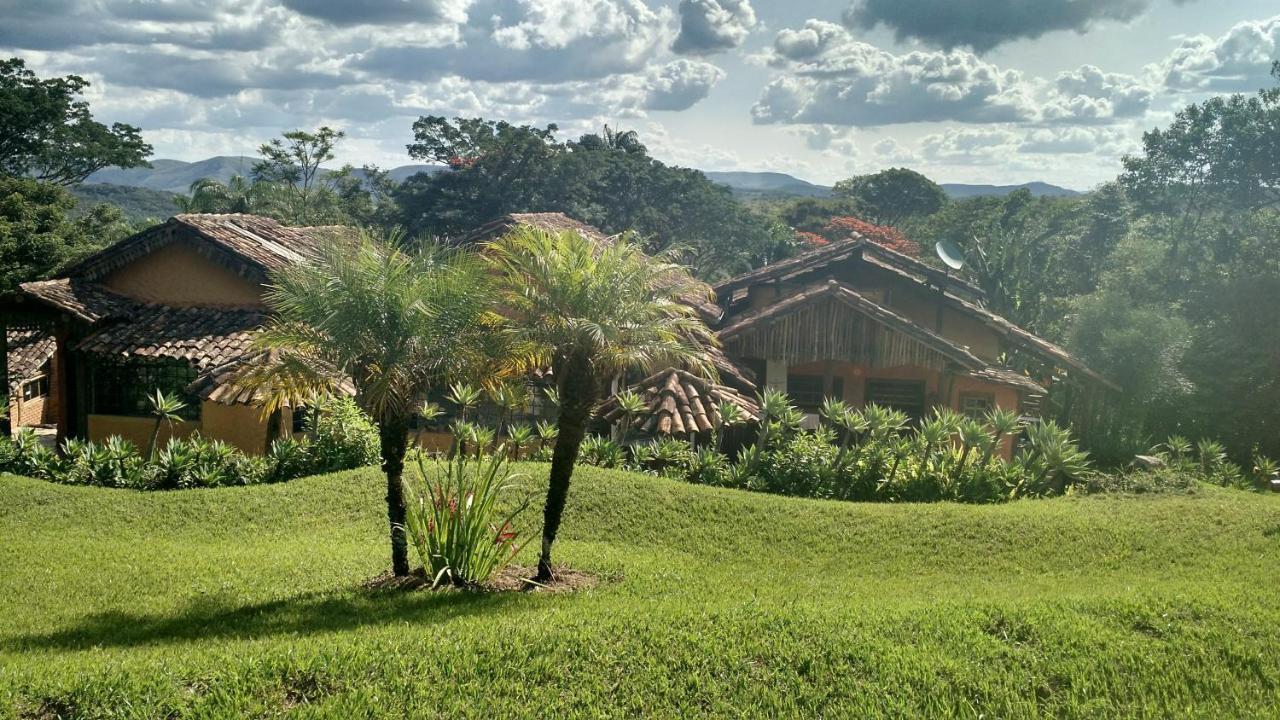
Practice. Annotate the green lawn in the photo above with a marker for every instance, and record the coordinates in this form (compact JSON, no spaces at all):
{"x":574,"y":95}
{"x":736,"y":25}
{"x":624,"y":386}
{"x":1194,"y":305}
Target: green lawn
{"x":247,"y":601}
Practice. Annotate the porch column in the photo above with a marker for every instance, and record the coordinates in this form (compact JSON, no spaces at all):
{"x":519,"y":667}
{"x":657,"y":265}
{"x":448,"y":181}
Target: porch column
{"x":775,"y":375}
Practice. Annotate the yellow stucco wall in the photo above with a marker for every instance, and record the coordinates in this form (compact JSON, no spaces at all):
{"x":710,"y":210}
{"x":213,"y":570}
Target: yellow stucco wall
{"x":136,"y":430}
{"x":178,"y":275}
{"x":240,"y":425}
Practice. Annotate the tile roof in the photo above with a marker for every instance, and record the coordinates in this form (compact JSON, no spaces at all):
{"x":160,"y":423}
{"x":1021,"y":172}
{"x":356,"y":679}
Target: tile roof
{"x":29,"y":350}
{"x":258,"y":245}
{"x":84,"y":300}
{"x":204,"y":337}
{"x":678,"y":402}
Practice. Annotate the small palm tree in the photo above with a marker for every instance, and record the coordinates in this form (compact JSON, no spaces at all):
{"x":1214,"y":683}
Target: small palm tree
{"x":165,"y":409}
{"x":592,"y":311}
{"x":392,"y":325}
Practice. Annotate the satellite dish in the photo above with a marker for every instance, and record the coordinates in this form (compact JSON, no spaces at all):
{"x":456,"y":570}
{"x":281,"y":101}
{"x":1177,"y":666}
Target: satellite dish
{"x":950,"y":254}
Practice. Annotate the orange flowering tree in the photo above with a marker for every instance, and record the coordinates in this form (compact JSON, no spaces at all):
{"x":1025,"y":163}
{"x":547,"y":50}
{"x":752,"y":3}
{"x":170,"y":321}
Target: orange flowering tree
{"x":842,"y":227}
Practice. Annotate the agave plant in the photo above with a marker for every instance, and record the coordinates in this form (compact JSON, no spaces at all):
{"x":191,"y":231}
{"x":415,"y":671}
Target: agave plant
{"x":1052,"y":458}
{"x":510,"y":398}
{"x":601,"y":452}
{"x":730,"y":415}
{"x":973,"y":436}
{"x":519,"y":435}
{"x":166,"y":409}
{"x":631,"y":404}
{"x":1003,"y":423}
{"x":776,"y":414}
{"x":465,"y":397}
{"x":932,"y":434}
{"x":547,"y":433}
{"x":1212,"y":456}
{"x":428,"y":413}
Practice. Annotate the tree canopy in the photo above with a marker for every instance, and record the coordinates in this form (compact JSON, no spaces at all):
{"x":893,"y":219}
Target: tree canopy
{"x":50,"y":135}
{"x":891,"y":196}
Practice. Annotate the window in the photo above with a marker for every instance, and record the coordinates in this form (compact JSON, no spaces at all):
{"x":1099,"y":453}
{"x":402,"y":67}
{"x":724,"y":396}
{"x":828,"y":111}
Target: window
{"x":33,"y":389}
{"x":123,"y":386}
{"x":976,"y":405}
{"x":805,"y":391}
{"x":904,"y":395}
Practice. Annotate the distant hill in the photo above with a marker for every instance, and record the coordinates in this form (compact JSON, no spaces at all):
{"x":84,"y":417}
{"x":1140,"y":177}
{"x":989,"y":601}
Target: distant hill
{"x":137,"y":203}
{"x":176,"y":176}
{"x":767,"y":184}
{"x":959,"y":191}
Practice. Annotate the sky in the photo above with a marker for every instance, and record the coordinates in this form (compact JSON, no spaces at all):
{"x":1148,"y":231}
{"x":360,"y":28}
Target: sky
{"x":980,"y":91}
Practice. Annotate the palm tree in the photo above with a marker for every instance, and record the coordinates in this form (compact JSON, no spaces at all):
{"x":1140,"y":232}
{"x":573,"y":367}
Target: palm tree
{"x":591,"y":312}
{"x":391,"y":324}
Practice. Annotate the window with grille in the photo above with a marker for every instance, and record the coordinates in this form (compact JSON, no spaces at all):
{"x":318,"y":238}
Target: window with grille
{"x":36,"y":388}
{"x":124,"y":386}
{"x":805,"y":391}
{"x":904,"y":395}
{"x":976,"y":405}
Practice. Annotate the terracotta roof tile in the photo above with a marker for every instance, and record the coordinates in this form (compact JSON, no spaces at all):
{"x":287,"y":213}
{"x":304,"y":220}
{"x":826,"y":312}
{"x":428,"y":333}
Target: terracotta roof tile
{"x":85,"y":300}
{"x":202,"y":336}
{"x":678,"y":403}
{"x":29,"y":350}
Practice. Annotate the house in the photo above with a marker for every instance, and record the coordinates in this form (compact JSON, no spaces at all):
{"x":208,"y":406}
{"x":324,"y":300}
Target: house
{"x":31,"y":370}
{"x":172,"y":308}
{"x":863,"y":323}
{"x":165,"y":309}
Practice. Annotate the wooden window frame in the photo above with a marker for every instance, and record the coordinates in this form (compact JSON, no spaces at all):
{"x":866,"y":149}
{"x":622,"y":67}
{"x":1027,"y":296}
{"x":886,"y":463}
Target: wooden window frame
{"x":989,"y":399}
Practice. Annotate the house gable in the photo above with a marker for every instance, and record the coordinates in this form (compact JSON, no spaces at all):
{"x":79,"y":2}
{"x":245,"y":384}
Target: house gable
{"x":177,"y":274}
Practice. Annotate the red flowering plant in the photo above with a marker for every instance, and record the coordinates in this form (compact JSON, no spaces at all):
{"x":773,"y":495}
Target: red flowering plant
{"x":454,"y":517}
{"x":843,"y":227}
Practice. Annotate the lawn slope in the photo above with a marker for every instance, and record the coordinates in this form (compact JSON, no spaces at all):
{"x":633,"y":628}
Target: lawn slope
{"x":248,"y":601}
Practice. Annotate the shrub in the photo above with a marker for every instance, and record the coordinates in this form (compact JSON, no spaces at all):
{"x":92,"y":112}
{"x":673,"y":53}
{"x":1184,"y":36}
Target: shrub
{"x":708,"y":466}
{"x":115,"y":462}
{"x":342,"y":436}
{"x":454,"y":519}
{"x":1143,"y":482}
{"x":803,"y":464}
{"x":288,"y":458}
{"x":601,"y":452}
{"x":197,"y":462}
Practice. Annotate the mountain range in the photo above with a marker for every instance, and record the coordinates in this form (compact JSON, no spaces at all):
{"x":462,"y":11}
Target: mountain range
{"x":167,"y":177}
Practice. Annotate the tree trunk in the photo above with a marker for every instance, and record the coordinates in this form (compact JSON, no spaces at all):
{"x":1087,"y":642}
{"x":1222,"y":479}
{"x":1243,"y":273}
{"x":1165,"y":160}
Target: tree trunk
{"x":393,"y":437}
{"x":577,"y":395}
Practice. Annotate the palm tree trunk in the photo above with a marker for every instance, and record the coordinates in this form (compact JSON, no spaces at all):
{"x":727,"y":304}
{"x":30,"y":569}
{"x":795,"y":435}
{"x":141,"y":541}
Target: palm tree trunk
{"x":393,"y":437}
{"x":577,"y":395}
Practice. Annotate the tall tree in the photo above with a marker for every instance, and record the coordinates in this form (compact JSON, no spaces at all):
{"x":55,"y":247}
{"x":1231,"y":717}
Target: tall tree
{"x":37,"y":234}
{"x":294,"y":161}
{"x":891,"y":196}
{"x":48,"y":134}
{"x":394,"y":325}
{"x":591,"y":313}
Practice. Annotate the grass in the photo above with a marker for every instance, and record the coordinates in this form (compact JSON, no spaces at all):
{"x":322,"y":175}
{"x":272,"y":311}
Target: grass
{"x":248,"y":602}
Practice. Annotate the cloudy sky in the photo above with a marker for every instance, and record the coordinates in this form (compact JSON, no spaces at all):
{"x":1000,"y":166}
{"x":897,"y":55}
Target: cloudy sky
{"x":964,"y":90}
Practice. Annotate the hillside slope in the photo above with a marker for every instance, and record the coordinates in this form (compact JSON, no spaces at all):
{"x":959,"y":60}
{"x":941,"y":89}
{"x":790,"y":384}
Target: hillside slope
{"x":248,"y":602}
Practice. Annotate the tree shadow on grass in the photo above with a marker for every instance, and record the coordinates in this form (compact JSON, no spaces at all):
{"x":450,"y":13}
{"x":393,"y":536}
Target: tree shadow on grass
{"x":220,"y":617}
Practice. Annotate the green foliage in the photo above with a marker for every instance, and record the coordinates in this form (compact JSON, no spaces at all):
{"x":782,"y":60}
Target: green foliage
{"x":455,"y":520}
{"x":891,"y":196}
{"x":601,"y":452}
{"x":47,"y":132}
{"x":37,"y":237}
{"x":606,"y":180}
{"x":340,"y":435}
{"x":244,"y":601}
{"x":195,"y":461}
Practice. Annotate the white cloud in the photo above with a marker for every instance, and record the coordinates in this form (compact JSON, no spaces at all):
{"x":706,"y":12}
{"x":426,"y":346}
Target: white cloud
{"x":709,"y":26}
{"x":1089,"y":95}
{"x":1238,"y":61}
{"x":833,"y":78}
